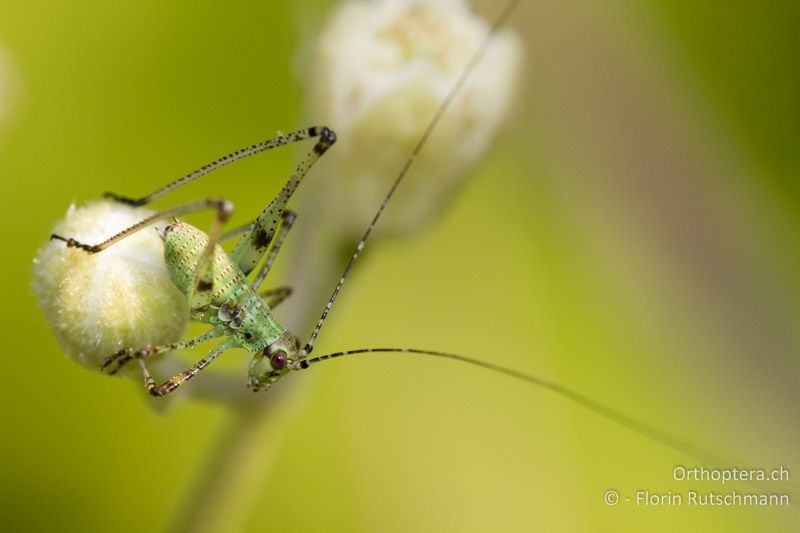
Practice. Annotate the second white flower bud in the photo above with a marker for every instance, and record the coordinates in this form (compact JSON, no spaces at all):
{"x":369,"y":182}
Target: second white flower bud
{"x":381,"y":71}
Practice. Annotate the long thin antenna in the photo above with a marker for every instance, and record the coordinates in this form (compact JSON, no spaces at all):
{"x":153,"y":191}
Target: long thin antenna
{"x":501,"y":20}
{"x":640,"y":427}
{"x":708,"y":458}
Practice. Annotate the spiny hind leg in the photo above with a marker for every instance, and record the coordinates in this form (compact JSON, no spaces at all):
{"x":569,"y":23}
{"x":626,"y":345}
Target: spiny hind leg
{"x":122,"y":357}
{"x":176,"y":381}
{"x":288,"y":220}
{"x":253,"y":244}
{"x":257,"y":237}
{"x":275,"y":296}
{"x":275,"y":142}
{"x":209,"y":203}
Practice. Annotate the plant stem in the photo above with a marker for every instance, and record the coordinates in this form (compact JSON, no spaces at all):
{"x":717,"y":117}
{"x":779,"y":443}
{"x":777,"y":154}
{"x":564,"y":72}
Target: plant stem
{"x":230,"y":481}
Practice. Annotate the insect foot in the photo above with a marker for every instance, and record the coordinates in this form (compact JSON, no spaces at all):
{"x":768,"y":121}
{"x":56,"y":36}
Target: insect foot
{"x":133,"y":202}
{"x":72,"y":243}
{"x":120,"y":358}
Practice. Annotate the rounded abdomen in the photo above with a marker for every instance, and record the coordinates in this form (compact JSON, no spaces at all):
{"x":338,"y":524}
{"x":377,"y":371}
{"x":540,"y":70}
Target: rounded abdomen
{"x":183,"y":246}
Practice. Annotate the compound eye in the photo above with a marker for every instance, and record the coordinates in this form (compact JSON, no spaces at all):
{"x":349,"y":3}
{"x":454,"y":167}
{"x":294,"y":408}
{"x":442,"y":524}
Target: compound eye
{"x":278,"y":360}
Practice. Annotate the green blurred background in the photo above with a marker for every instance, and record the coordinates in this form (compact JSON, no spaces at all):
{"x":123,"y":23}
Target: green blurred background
{"x":633,"y":234}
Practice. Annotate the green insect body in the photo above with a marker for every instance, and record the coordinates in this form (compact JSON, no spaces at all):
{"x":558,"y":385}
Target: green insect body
{"x":235,"y":309}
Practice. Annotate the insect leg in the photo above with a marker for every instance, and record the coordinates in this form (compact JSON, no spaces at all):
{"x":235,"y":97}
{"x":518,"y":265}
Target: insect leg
{"x":209,"y":203}
{"x":176,"y":381}
{"x":202,"y":290}
{"x":230,"y":234}
{"x":275,"y":142}
{"x":251,"y":247}
{"x":288,"y":220}
{"x":276,"y":295}
{"x":126,"y":354}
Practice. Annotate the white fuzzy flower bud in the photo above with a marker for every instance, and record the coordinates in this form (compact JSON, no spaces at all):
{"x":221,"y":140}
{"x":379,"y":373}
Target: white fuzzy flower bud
{"x":121,"y":297}
{"x":381,"y":70}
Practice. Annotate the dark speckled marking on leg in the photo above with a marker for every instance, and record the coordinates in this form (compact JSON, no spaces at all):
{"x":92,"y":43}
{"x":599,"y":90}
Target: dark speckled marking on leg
{"x":262,"y":238}
{"x":251,"y":247}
